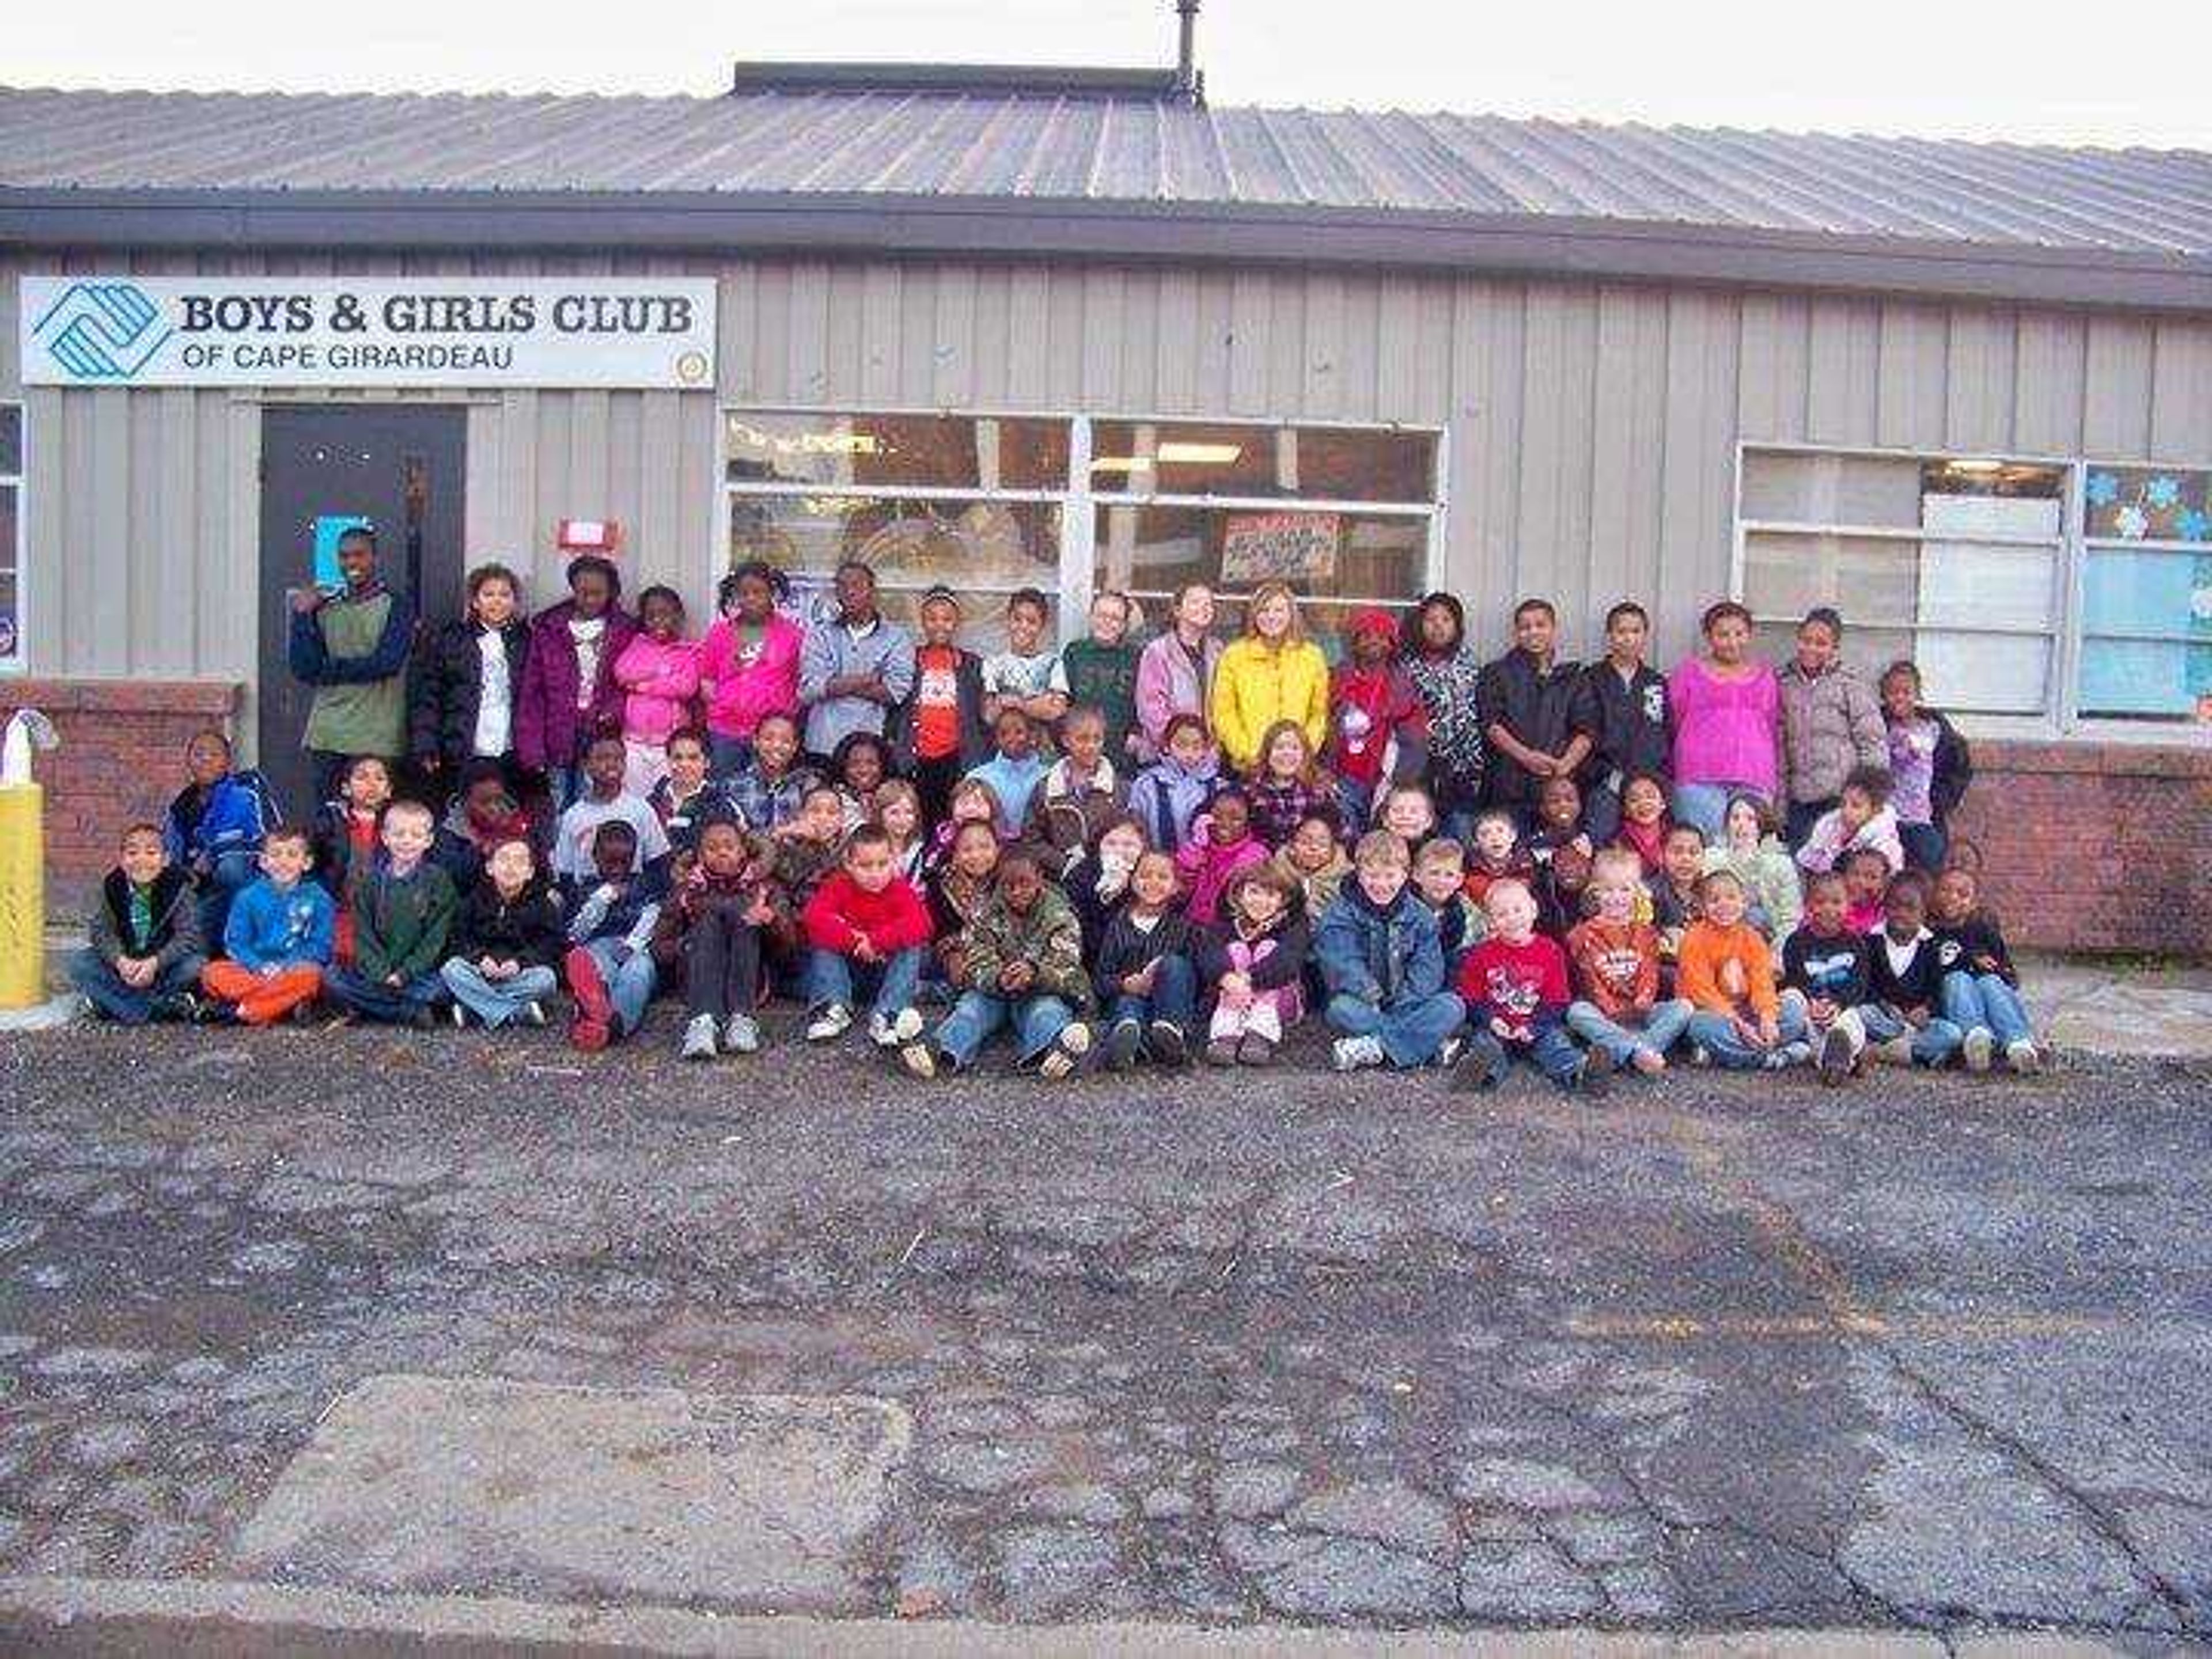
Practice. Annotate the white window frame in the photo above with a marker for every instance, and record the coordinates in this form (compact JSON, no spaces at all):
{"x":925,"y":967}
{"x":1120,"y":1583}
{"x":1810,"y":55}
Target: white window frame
{"x":1079,"y":501}
{"x":19,"y":664}
{"x":2062,"y":716}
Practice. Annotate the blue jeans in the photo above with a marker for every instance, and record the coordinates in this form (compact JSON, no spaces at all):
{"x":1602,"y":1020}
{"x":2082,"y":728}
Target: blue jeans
{"x":1410,"y":1030}
{"x":1713,"y":1033}
{"x":728,"y":757}
{"x":1926,"y":846}
{"x":1174,"y":998}
{"x":496,"y":1001}
{"x":1705,"y":805}
{"x":125,"y":1004}
{"x":1550,"y":1050}
{"x":629,"y":984}
{"x":889,"y":985}
{"x":1661,"y":1028}
{"x":1985,"y":1002}
{"x":1932,"y":1044}
{"x":372,"y":998}
{"x":1037,"y":1022}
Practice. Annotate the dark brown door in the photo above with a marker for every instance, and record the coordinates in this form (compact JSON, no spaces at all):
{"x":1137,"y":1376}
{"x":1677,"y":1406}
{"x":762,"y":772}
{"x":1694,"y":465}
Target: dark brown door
{"x":401,"y":467}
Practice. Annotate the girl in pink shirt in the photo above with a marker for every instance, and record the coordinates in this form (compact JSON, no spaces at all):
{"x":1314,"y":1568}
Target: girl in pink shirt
{"x":658,"y":673}
{"x":1727,"y":713}
{"x":748,"y":662}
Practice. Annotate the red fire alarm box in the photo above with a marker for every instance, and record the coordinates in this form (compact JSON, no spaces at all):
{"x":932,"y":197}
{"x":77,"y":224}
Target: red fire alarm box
{"x":588,"y":535}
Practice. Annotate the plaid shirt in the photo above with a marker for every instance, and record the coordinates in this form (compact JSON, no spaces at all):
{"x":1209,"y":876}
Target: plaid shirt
{"x":766,"y":805}
{"x":1278,"y":807}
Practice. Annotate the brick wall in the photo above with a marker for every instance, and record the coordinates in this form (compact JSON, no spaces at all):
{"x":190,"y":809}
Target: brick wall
{"x":2093,"y":846}
{"x":122,"y":756}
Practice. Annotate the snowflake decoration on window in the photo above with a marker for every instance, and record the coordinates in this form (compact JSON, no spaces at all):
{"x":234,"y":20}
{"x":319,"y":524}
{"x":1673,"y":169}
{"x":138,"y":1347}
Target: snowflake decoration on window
{"x":2192,"y":524}
{"x":2131,"y":522}
{"x":2103,"y":489}
{"x":2161,"y":494}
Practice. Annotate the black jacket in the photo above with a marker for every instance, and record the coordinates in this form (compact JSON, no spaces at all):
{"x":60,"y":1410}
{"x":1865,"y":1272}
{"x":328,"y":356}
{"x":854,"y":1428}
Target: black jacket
{"x":528,"y":931}
{"x":1964,"y":947}
{"x":174,"y":933}
{"x":1540,"y":709}
{"x":1125,"y":949}
{"x":975,"y":735}
{"x":1081,"y":886}
{"x":1919,"y":985}
{"x":445,"y":685}
{"x":1834,"y":967}
{"x":1954,"y":768}
{"x":1629,"y":723}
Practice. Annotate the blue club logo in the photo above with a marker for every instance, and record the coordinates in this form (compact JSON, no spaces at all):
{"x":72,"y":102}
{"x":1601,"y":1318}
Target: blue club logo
{"x":103,"y":330}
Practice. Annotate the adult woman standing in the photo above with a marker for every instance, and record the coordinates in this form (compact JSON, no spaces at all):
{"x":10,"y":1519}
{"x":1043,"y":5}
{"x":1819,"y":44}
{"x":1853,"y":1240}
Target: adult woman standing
{"x":1728,"y":723}
{"x":1445,"y":673}
{"x":748,"y":662}
{"x":569,"y":692}
{"x":1274,"y":672}
{"x":467,"y":673}
{"x":1175,"y":672}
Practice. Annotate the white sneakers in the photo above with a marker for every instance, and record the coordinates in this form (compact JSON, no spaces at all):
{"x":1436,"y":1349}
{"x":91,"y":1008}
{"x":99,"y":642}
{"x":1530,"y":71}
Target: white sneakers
{"x":1355,"y":1054}
{"x":698,"y":1037}
{"x":832,"y":1022}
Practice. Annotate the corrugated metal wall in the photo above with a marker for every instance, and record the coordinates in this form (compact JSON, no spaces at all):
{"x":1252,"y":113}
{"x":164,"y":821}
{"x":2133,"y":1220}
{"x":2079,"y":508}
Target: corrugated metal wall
{"x":1592,"y":427}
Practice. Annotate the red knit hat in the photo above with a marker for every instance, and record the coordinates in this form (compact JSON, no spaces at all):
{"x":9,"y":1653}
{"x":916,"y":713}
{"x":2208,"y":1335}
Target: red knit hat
{"x":1374,"y":620}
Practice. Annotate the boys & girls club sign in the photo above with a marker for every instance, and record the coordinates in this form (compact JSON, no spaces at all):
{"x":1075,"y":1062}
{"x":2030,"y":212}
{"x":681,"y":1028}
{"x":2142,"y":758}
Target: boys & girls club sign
{"x":127,"y":331}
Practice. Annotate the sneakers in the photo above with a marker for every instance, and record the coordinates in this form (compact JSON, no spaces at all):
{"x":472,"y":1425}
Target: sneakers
{"x":1167,"y":1043}
{"x":1122,"y":1044}
{"x":1595,"y":1080}
{"x":1650,"y":1061}
{"x":880,"y":1032}
{"x":1351,"y":1053}
{"x":1253,"y":1050}
{"x":1222,"y":1051}
{"x":1481,"y":1063}
{"x":918,"y":1057}
{"x":178,"y":1008}
{"x":2023,"y":1057}
{"x":460,"y":1015}
{"x":593,"y":1028}
{"x":1897,"y":1051}
{"x":533,"y":1014}
{"x":741,"y":1035}
{"x":832,"y":1022}
{"x":1066,"y":1052}
{"x":1700,"y":1056}
{"x":1976,"y":1049}
{"x":901,"y":1030}
{"x":698,"y":1037}
{"x":1835,"y":1058}
{"x":302,"y":1012}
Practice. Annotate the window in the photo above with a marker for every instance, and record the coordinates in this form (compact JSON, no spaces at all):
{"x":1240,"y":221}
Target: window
{"x":11,"y":537}
{"x":2146,"y":649}
{"x":990,"y":504}
{"x":1954,"y":562}
{"x":1347,"y":516}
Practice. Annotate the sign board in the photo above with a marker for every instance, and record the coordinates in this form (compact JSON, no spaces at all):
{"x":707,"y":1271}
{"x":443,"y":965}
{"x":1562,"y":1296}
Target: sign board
{"x":606,"y":331}
{"x":1285,"y":547}
{"x":328,"y":526}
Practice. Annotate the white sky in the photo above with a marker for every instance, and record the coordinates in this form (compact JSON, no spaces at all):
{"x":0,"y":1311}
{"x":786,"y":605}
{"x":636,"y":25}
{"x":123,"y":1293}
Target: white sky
{"x":2117,"y":72}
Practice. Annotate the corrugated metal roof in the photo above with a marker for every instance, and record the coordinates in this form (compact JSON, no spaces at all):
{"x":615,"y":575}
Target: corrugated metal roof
{"x":999,"y":149}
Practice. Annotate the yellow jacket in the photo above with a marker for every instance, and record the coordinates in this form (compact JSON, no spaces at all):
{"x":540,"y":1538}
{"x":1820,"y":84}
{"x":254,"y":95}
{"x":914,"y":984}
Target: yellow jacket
{"x":1258,"y":684}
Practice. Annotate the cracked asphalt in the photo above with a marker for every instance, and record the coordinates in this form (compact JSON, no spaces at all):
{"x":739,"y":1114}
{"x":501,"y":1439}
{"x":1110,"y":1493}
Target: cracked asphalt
{"x":1926,"y":1354}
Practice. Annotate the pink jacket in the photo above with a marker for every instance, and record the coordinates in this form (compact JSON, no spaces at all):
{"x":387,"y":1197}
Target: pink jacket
{"x":657,"y":681}
{"x":1206,"y":870}
{"x":740,"y":693}
{"x":1726,"y":731}
{"x":1167,"y":686}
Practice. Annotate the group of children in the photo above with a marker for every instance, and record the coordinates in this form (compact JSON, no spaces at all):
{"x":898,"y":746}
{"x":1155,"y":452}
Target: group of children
{"x":1008,"y":857}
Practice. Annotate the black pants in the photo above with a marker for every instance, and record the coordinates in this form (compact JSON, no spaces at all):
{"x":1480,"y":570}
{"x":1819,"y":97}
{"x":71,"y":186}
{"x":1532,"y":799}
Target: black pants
{"x":721,"y":963}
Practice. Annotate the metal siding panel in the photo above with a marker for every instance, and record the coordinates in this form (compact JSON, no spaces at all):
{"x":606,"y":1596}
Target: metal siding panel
{"x":993,"y":324}
{"x":1029,"y":339}
{"x":879,"y":335}
{"x":2181,"y":392}
{"x":1360,"y":359}
{"x":1104,"y":319}
{"x":1697,"y":471}
{"x":1286,"y":343}
{"x":2048,"y":387}
{"x":1178,"y":343}
{"x":1433,"y":376}
{"x":1485,"y":471}
{"x":1773,"y":373}
{"x":1397,"y":346}
{"x":100,"y":599}
{"x":952,"y":377}
{"x":485,"y":497}
{"x":1322,"y":393}
{"x":1627,"y":451}
{"x":846,"y":347}
{"x":2115,"y":401}
{"x":699,"y":529}
{"x":46,"y":509}
{"x":1551,"y":548}
{"x":1978,"y":382}
{"x":917,"y":337}
{"x":1251,"y":318}
{"x":549,"y":485}
{"x":1139,"y":344}
{"x":1063,"y":387}
{"x":1915,"y":367}
{"x":771,"y":333}
{"x":166,"y":640}
{"x":1842,"y":369}
{"x":807,"y":342}
{"x":216,"y":595}
{"x":1216,"y":330}
{"x":737,"y":368}
{"x":587,"y":485}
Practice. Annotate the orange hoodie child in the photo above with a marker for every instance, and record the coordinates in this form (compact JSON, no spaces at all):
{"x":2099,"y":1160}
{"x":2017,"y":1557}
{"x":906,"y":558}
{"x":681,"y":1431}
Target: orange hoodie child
{"x":1726,"y":970}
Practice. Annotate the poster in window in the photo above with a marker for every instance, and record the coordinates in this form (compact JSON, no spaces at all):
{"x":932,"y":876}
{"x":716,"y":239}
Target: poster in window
{"x":2148,"y":504}
{"x":1280,"y":547}
{"x":2137,"y":593}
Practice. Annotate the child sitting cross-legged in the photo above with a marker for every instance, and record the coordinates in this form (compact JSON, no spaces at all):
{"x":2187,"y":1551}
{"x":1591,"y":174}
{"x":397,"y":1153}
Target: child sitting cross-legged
{"x":1981,"y":989}
{"x":1143,"y":975}
{"x":346,"y":840}
{"x":709,"y":932}
{"x":1823,"y":976}
{"x":867,"y":934}
{"x":214,"y":827}
{"x":1615,"y":959}
{"x":604,"y":801}
{"x":276,"y":943}
{"x":1727,"y":973}
{"x":1904,"y":1017}
{"x":144,"y":960}
{"x":1022,"y":965}
{"x":403,"y":917}
{"x":506,"y":939}
{"x":1514,"y":987}
{"x":957,"y":891}
{"x":611,"y":914}
{"x":1382,"y":965}
{"x":1562,"y":850}
{"x":1255,"y":961}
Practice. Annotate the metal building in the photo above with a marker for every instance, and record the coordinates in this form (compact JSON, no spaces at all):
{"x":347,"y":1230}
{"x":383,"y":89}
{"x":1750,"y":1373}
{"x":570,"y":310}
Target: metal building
{"x":1002,"y":327}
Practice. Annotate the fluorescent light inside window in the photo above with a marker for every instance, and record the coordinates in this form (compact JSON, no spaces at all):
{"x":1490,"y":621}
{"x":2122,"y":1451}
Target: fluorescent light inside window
{"x":1200,"y":454}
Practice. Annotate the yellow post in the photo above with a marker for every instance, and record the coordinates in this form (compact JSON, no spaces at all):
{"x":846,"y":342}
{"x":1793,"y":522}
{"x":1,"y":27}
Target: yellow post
{"x":23,"y":896}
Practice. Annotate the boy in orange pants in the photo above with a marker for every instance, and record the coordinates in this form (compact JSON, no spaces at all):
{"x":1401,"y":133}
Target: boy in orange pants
{"x":277,"y":940}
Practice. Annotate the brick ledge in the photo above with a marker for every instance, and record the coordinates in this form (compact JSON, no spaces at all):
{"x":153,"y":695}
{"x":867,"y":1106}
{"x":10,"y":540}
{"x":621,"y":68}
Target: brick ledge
{"x":215,"y":699}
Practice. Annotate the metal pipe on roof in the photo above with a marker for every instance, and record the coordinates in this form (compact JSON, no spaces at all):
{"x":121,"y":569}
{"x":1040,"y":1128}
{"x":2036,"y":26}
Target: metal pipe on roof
{"x":1189,"y":80}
